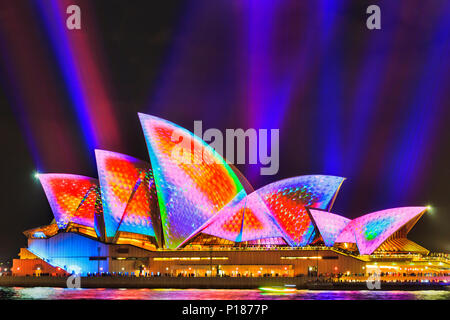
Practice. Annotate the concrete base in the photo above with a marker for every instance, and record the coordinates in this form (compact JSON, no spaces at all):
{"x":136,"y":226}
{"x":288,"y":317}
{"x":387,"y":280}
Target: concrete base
{"x":153,"y":282}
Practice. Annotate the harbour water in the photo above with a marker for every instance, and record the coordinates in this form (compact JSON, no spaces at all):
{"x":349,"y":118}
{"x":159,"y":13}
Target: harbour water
{"x":46,"y":293}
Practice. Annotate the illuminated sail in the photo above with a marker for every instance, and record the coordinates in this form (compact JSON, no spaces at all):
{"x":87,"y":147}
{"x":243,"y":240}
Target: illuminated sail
{"x":193,"y":181}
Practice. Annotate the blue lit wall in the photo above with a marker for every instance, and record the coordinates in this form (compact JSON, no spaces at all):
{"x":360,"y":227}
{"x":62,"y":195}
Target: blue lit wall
{"x":71,"y":252}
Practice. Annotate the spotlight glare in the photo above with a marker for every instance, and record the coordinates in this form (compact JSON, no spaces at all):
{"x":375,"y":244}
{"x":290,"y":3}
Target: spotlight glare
{"x":36,"y":175}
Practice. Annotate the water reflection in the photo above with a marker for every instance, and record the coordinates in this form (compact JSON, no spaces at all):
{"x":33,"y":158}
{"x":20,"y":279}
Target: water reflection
{"x":39,"y":293}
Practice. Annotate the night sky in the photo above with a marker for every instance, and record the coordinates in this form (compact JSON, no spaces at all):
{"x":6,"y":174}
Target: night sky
{"x":369,"y":105}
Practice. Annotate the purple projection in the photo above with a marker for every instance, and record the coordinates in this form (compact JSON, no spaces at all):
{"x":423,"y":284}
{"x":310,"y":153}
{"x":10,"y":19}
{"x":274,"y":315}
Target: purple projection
{"x":330,"y":225}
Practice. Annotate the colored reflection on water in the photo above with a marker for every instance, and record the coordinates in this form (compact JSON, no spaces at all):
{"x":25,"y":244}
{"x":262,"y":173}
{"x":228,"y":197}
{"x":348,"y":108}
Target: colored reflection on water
{"x":40,"y":293}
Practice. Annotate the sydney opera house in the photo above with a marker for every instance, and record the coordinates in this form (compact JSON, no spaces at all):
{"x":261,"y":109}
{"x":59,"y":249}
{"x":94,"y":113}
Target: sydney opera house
{"x":203,"y":218}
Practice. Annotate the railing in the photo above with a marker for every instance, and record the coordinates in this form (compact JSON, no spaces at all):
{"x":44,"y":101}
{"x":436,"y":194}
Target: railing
{"x":413,"y":257}
{"x":266,"y":248}
{"x":439,"y":257}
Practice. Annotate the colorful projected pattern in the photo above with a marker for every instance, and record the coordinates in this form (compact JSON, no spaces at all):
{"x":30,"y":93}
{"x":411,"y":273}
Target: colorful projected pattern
{"x":119,"y":180}
{"x":330,"y":225}
{"x":198,"y":192}
{"x":88,"y":207}
{"x":72,"y":198}
{"x":287,"y":201}
{"x":372,"y":229}
{"x":276,"y":210}
{"x":227,"y":223}
{"x":141,"y":207}
{"x":243,"y":219}
{"x":258,"y":220}
{"x":99,"y":221}
{"x":347,"y":235}
{"x":192,"y":180}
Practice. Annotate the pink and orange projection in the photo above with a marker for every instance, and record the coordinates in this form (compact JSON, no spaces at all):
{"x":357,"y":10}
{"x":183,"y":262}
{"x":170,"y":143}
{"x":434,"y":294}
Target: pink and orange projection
{"x":128,"y":193}
{"x":72,"y":198}
{"x":193,"y":181}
